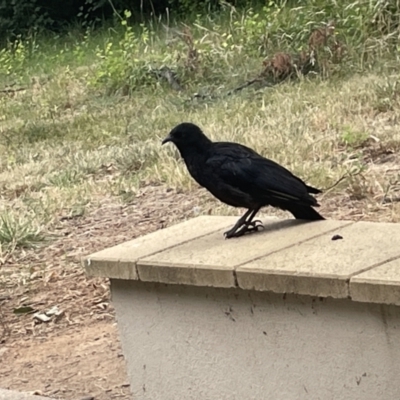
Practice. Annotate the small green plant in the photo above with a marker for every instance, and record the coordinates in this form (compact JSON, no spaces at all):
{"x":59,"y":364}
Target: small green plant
{"x":353,"y":138}
{"x":18,"y":232}
{"x":251,"y":30}
{"x":388,"y":94}
{"x":122,"y":66}
{"x":66,"y":178}
{"x":13,"y":58}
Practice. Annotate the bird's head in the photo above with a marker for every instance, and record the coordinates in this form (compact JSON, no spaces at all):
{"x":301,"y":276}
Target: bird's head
{"x":187,"y":135}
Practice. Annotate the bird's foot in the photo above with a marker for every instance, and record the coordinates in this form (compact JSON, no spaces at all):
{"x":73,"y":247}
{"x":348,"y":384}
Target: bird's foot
{"x":253,"y":226}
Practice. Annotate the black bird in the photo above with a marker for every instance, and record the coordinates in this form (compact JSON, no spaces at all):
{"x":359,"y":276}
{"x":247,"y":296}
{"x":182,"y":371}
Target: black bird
{"x":240,"y":177}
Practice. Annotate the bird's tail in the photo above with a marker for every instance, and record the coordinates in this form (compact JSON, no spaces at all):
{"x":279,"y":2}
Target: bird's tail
{"x":304,"y":212}
{"x":313,"y":190}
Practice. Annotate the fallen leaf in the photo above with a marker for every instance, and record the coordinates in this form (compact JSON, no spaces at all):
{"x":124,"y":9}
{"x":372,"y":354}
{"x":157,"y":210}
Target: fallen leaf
{"x":23,"y":310}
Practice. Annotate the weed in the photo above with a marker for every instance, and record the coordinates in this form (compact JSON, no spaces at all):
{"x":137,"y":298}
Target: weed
{"x":66,"y":178}
{"x":353,"y":139}
{"x":388,"y":94}
{"x":18,"y":232}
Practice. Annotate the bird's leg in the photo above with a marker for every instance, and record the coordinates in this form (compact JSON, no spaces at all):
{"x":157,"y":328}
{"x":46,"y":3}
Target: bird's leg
{"x":245,"y":224}
{"x":241,"y":221}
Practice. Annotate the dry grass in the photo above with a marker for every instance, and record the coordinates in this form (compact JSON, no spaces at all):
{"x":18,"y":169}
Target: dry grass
{"x":90,"y":118}
{"x":59,"y":162}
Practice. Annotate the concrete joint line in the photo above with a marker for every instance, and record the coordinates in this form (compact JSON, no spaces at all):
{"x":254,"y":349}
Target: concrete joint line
{"x":374,"y":266}
{"x":172,"y":247}
{"x":293,"y":245}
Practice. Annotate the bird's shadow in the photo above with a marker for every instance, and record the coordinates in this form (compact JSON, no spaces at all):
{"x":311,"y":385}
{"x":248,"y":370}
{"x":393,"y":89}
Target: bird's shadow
{"x":273,"y":226}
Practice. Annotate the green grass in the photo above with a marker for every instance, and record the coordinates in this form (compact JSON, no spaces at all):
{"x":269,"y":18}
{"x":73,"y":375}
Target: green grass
{"x":20,"y":232}
{"x":91,"y":117}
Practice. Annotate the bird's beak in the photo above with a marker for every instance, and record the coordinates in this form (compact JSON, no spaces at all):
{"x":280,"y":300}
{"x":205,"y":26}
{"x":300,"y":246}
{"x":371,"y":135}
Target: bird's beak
{"x":166,"y":140}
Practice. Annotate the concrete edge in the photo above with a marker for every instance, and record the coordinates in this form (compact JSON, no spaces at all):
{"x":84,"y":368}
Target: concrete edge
{"x":303,"y":284}
{"x":182,"y":275}
{"x":375,"y":292}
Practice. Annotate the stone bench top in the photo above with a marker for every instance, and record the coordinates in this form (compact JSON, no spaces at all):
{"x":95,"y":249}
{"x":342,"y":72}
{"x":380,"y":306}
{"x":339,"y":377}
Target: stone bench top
{"x":288,"y":256}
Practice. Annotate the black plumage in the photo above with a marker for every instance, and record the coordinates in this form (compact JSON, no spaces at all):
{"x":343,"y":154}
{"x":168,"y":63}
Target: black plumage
{"x":240,"y":177}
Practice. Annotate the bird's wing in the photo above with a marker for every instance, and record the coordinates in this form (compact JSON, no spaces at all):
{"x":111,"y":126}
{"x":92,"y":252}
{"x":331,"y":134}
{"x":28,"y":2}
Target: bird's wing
{"x":244,"y":169}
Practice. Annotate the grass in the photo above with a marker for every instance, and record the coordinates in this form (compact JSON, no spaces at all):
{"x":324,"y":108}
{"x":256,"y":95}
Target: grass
{"x":18,"y":233}
{"x":91,"y":117}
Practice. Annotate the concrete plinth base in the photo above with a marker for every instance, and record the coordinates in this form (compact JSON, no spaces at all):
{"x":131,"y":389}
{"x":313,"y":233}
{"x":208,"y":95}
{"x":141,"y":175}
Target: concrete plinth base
{"x":287,"y":313}
{"x":185,"y":342}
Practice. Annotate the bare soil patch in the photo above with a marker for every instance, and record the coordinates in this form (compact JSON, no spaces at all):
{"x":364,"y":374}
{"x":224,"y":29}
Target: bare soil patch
{"x":77,"y":354}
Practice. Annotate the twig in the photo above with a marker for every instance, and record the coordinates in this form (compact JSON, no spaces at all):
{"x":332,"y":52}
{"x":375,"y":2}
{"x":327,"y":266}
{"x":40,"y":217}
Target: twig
{"x":115,"y":11}
{"x":346,"y":175}
{"x":387,"y":200}
{"x":170,"y":76}
{"x":203,"y":96}
{"x":232,"y":91}
{"x":6,"y":329}
{"x":9,"y":90}
{"x":244,"y":85}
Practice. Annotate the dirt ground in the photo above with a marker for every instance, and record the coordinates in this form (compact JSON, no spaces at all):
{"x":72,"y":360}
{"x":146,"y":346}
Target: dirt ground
{"x":77,"y":355}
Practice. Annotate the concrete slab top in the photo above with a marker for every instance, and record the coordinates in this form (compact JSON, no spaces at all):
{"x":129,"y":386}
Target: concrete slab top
{"x":321,"y":266}
{"x":120,"y":261}
{"x":288,"y":256}
{"x":213,"y":252}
